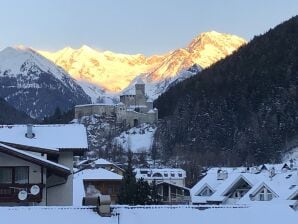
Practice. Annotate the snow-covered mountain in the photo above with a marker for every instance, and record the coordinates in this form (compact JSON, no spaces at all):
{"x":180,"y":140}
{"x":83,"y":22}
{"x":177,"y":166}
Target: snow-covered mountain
{"x":154,"y":88}
{"x":35,"y":85}
{"x":114,"y":72}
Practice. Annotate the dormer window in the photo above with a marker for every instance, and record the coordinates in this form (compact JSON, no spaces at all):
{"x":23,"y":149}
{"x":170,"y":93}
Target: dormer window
{"x":264,"y":195}
{"x":206,"y":192}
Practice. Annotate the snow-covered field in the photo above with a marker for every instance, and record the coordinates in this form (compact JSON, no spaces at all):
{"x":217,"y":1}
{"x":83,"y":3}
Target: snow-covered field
{"x":270,"y":214}
{"x":137,"y":139}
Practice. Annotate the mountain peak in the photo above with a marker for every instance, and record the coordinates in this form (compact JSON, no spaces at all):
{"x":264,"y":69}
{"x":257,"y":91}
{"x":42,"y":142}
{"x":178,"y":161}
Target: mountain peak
{"x":86,"y":48}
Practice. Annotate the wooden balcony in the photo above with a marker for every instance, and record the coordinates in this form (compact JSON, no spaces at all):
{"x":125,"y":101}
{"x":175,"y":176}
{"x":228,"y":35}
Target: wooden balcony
{"x":9,"y":193}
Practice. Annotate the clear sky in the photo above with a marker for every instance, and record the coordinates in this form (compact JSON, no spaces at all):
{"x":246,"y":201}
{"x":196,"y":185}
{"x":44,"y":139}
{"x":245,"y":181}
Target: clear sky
{"x":133,"y":26}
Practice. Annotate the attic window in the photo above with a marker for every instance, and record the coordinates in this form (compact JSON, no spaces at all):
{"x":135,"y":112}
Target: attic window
{"x":206,"y":192}
{"x":264,"y":195}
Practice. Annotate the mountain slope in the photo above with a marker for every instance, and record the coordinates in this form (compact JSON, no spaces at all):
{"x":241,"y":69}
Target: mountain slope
{"x":242,"y":110}
{"x":36,"y":86}
{"x":114,"y":72}
{"x":9,"y":115}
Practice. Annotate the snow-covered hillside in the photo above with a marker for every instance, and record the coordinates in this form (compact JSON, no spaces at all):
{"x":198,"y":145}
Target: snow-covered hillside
{"x":35,"y":85}
{"x":113,"y":72}
{"x":137,"y":139}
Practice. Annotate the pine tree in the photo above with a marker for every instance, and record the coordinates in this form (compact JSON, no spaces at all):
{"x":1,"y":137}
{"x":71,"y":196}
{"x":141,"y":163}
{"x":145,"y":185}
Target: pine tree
{"x":129,"y":184}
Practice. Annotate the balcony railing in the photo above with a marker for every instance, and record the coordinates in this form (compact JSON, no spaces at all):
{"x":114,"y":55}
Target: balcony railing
{"x":176,"y":199}
{"x":9,"y":193}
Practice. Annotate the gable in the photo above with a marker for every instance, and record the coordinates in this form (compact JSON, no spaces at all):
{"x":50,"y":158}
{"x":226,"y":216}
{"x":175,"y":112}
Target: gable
{"x":240,"y":187}
{"x":206,"y":191}
{"x":264,"y":193}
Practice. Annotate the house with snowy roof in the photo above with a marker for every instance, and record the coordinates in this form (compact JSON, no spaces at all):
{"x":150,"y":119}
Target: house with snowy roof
{"x":170,"y":183}
{"x":241,"y":185}
{"x":94,"y":183}
{"x":36,"y":163}
{"x":99,"y":163}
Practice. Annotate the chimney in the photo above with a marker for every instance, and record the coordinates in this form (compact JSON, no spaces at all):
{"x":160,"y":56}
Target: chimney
{"x":29,"y":133}
{"x":222,"y":174}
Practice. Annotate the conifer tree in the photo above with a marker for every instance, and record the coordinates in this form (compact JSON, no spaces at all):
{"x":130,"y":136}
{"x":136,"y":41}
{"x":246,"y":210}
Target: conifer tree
{"x":129,"y":184}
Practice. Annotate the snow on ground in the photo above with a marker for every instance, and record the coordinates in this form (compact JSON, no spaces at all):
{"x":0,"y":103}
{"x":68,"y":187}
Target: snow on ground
{"x":137,"y":139}
{"x":271,"y":214}
{"x":254,"y":215}
{"x":293,"y":154}
{"x":50,"y":215}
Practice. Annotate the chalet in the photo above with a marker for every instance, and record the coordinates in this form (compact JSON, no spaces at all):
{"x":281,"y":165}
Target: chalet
{"x":170,"y":184}
{"x":240,"y":185}
{"x":99,"y":163}
{"x":36,"y":163}
{"x":92,"y":183}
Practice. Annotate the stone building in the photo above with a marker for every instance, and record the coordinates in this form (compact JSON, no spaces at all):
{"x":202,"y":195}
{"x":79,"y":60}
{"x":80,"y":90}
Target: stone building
{"x":133,"y":109}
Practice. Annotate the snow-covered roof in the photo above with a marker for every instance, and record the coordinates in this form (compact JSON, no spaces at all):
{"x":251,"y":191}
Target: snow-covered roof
{"x":166,"y":173}
{"x":97,"y":174}
{"x":34,"y":158}
{"x":60,"y":136}
{"x":90,"y":174}
{"x":96,"y":104}
{"x":283,"y":183}
{"x":151,"y":112}
{"x":140,"y":82}
{"x":102,"y":161}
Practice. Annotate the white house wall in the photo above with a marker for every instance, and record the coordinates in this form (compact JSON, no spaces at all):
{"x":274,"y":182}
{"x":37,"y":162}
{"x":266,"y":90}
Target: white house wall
{"x":35,"y":171}
{"x":62,"y":194}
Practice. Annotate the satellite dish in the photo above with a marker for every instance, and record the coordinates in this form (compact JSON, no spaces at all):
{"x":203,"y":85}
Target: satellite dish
{"x":35,"y":189}
{"x":22,"y":195}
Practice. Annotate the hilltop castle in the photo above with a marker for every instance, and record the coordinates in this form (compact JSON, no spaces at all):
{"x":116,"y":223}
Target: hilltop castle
{"x":133,"y":109}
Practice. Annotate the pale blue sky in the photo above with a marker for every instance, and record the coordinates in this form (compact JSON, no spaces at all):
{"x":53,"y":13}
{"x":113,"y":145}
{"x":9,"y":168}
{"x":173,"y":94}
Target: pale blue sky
{"x":133,"y":26}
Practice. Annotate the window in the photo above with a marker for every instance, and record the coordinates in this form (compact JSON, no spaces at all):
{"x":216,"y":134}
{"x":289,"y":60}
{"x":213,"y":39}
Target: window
{"x":172,"y":175}
{"x":264,"y":195}
{"x":5,"y":175}
{"x":21,"y":175}
{"x":14,"y":175}
{"x":206,"y":192}
{"x":165,"y":174}
{"x":179,"y":174}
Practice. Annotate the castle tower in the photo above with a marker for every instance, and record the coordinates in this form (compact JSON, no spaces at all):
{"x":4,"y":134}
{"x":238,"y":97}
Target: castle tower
{"x":140,"y":93}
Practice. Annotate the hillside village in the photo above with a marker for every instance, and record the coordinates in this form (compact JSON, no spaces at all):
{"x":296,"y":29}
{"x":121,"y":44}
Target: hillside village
{"x":51,"y":165}
{"x":39,"y":170}
{"x":203,"y":133}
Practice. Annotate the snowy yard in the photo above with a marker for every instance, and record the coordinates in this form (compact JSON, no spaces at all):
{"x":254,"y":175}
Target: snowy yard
{"x":147,"y":215}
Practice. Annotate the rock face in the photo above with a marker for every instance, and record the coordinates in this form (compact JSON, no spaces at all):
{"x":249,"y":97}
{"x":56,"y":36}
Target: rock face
{"x":35,"y":85}
{"x":114,"y":72}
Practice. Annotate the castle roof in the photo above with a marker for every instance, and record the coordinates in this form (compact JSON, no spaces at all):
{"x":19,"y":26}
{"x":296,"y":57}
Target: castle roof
{"x":140,"y":82}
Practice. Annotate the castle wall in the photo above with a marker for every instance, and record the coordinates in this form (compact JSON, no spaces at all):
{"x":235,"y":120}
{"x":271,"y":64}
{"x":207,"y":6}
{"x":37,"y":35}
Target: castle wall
{"x":128,"y":100}
{"x":91,"y":109}
{"x":131,"y":116}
